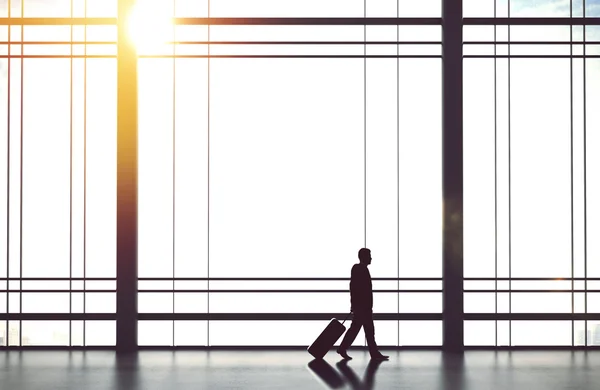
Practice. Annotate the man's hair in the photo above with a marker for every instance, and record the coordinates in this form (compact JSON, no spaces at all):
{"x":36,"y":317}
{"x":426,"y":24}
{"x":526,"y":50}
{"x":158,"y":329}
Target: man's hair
{"x":363,"y":253}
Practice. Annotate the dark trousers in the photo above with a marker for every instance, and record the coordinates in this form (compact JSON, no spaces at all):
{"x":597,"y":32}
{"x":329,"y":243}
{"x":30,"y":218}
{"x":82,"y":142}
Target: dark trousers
{"x":362,"y":319}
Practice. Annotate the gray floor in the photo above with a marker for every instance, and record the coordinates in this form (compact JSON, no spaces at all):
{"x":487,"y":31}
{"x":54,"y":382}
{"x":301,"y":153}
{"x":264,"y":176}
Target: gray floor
{"x":220,"y":369}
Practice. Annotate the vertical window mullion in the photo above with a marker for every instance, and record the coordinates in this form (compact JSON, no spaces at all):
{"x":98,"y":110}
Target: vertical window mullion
{"x":71,"y":183}
{"x":571,"y":162}
{"x":585,"y":174}
{"x":509,"y":194}
{"x":21,"y":186}
{"x":7,"y":338}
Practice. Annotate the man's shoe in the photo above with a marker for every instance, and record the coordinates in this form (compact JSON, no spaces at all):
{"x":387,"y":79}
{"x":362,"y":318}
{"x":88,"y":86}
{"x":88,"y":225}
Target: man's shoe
{"x":380,"y":357}
{"x":343,"y":353}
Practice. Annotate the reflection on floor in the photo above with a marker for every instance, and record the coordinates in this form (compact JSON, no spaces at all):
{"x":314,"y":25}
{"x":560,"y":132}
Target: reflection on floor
{"x":216,"y":370}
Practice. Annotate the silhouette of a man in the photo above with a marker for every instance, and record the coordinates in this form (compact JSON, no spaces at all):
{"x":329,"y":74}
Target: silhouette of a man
{"x":361,"y":300}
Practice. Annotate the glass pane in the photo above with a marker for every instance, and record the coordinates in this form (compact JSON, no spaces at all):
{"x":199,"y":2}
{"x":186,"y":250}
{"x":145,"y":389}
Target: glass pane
{"x":155,"y":199}
{"x":480,"y":302}
{"x":191,"y":8}
{"x":592,"y":8}
{"x":155,"y":333}
{"x":45,"y":333}
{"x":191,"y":167}
{"x":540,"y":8}
{"x":420,"y":303}
{"x":593,"y":164}
{"x":155,"y":303}
{"x":45,"y":303}
{"x":291,"y":8}
{"x":100,"y":333}
{"x":382,"y":172}
{"x":593,"y":332}
{"x":101,"y":232}
{"x":3,"y":156}
{"x":386,"y":334}
{"x":421,"y":8}
{"x":191,"y":333}
{"x":531,"y":333}
{"x":282,"y":302}
{"x":101,"y":9}
{"x":314,"y":205}
{"x":479,"y":146}
{"x":420,"y":136}
{"x":191,"y":303}
{"x":541,"y":303}
{"x":478,"y":8}
{"x":289,"y":333}
{"x":421,"y":333}
{"x":101,"y":303}
{"x":479,"y":333}
{"x":46,"y":165}
{"x":77,"y":333}
{"x":540,"y":158}
{"x":3,"y":334}
{"x":45,"y":9}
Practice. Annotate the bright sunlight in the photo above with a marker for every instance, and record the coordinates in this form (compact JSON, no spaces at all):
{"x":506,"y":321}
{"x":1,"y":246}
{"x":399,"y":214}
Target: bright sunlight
{"x":151,"y":25}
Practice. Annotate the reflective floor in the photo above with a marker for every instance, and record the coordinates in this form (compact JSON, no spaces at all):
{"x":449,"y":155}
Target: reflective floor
{"x":295,"y":369}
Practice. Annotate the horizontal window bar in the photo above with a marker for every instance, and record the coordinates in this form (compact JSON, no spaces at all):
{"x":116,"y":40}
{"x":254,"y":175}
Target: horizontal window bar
{"x":278,"y":347}
{"x":57,"y":316}
{"x":288,"y":56}
{"x":529,"y":56}
{"x":309,"y":21}
{"x":282,"y":291}
{"x":64,"y":42}
{"x":236,"y":42}
{"x":300,"y":316}
{"x":532,"y":291}
{"x":58,"y":279}
{"x":89,"y":290}
{"x":284,"y":316}
{"x":293,"y":347}
{"x":532,"y":316}
{"x":216,"y":316}
{"x":531,"y":21}
{"x":284,"y":279}
{"x":233,"y":21}
{"x":530,"y":279}
{"x":56,"y":21}
{"x":57,"y":56}
{"x":531,"y":42}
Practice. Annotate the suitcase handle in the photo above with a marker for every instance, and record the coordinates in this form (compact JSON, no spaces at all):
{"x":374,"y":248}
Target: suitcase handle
{"x":346,"y":318}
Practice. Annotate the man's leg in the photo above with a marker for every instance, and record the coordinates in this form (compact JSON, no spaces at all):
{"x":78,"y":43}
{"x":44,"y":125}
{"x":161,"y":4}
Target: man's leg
{"x":350,"y":336}
{"x":369,"y":328}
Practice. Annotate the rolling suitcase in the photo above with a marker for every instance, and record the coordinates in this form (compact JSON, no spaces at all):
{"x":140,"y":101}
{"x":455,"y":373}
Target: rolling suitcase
{"x":327,"y":338}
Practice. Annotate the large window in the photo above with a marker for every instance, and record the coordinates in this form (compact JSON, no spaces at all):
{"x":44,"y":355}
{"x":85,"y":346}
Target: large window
{"x":264,"y":168}
{"x":275,"y":139}
{"x":530,"y":175}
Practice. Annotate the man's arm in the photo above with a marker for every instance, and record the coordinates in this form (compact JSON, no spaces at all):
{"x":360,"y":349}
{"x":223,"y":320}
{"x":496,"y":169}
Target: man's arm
{"x":358,"y":287}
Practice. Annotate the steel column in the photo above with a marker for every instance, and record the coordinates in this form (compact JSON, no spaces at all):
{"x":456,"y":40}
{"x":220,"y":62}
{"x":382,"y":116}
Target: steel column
{"x":452,"y":177}
{"x":127,"y":179}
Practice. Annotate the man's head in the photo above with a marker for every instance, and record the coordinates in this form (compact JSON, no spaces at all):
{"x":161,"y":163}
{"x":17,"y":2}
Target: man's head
{"x":364,"y":254}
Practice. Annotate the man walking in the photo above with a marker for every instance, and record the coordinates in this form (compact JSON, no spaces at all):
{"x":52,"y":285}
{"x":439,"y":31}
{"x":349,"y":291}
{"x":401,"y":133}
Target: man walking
{"x":361,"y":300}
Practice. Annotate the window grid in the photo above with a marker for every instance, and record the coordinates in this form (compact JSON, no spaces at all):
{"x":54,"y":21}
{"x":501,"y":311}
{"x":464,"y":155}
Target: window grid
{"x":85,"y":21}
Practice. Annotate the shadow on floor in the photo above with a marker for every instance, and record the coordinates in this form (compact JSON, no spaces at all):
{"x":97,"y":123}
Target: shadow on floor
{"x":332,"y":378}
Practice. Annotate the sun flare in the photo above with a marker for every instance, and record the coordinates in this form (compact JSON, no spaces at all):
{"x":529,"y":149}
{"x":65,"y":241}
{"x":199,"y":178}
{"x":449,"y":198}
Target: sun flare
{"x":150,"y":25}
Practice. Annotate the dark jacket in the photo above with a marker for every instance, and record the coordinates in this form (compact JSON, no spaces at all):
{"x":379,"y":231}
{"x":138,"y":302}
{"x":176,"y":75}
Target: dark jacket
{"x":361,"y":289}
